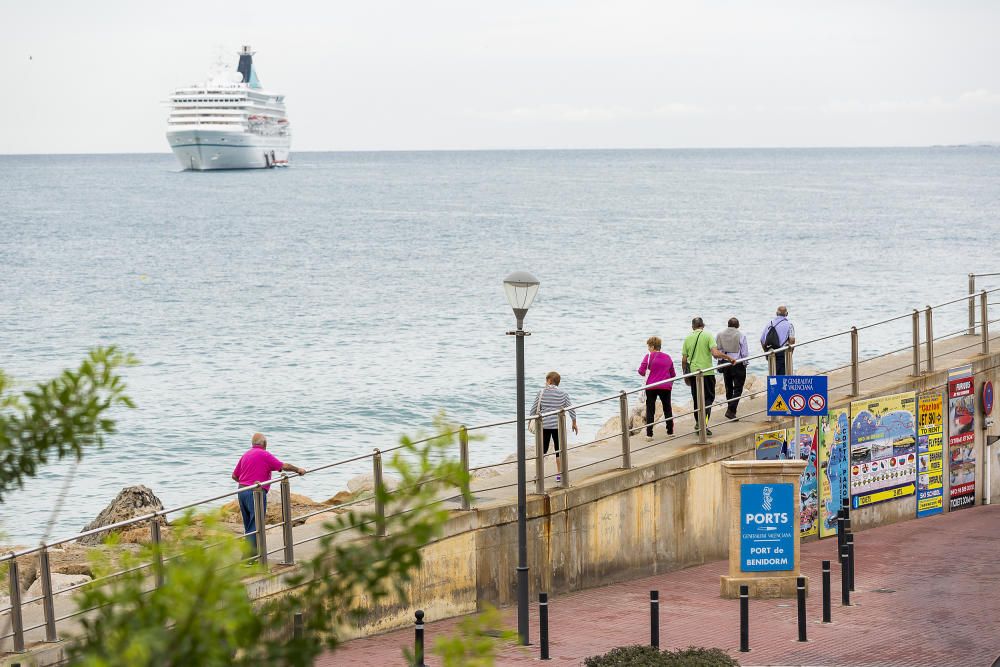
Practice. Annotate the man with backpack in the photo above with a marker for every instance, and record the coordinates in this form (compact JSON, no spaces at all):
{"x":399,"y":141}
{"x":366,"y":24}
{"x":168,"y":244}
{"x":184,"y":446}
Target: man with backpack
{"x":778,"y":333}
{"x":697,"y":352}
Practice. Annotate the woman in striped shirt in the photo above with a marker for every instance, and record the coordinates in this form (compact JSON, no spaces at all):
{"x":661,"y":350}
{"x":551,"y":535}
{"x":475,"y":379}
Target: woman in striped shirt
{"x":551,"y":398}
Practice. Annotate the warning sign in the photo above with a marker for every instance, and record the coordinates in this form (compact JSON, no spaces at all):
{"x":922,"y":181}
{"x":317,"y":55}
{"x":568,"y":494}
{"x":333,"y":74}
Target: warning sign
{"x":787,"y":395}
{"x":817,"y":402}
{"x":779,"y":405}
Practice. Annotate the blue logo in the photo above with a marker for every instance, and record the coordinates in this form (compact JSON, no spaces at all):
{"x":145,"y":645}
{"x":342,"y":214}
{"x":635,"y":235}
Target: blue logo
{"x":767,"y":527}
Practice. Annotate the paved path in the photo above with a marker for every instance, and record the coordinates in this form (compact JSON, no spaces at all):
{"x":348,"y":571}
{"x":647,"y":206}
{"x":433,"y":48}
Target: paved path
{"x":927,"y":593}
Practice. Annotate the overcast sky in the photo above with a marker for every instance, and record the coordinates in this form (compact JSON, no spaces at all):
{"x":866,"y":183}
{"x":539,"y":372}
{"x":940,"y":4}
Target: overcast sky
{"x":82,"y":77}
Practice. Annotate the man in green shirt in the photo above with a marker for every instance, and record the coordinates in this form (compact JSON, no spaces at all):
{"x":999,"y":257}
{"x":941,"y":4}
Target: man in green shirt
{"x":696,"y":355}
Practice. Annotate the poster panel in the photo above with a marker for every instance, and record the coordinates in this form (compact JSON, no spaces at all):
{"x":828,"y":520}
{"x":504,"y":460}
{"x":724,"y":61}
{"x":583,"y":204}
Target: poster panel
{"x":808,"y":482}
{"x":833,"y":446}
{"x":883,"y":448}
{"x":962,"y":437}
{"x":930,"y":454}
{"x":770,"y":445}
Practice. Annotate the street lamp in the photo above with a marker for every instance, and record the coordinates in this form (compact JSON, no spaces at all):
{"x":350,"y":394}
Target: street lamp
{"x":521,"y":288}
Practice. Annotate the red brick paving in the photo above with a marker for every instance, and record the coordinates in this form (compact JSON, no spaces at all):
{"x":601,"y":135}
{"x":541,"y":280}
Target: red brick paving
{"x":939,"y":606}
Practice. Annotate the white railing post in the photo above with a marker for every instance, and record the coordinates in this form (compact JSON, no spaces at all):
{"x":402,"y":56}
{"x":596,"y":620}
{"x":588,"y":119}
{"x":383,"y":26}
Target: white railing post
{"x":626,"y":445}
{"x":929,"y":332}
{"x":378,"y":486}
{"x":984,"y":326}
{"x":539,"y":458}
{"x":915,"y":319}
{"x":972,"y":304}
{"x":855,"y":363}
{"x":16,"y":622}
{"x":48,"y":604}
{"x":463,"y":454}
{"x":260,"y":524}
{"x":700,"y":415}
{"x":286,"y":521}
{"x":563,"y":450}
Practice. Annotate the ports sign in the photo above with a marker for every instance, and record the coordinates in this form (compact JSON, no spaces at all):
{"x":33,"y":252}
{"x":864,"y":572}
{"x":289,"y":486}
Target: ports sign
{"x":767,"y":527}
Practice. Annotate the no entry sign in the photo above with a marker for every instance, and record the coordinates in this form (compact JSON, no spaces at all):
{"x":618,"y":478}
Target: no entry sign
{"x":796,"y":395}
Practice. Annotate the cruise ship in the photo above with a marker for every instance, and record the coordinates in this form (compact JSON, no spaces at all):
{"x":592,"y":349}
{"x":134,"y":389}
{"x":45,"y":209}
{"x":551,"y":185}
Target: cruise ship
{"x":229,"y":122}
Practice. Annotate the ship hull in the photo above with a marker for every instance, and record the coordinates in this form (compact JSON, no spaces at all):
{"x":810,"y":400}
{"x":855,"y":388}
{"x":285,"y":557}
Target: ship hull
{"x":201,"y":150}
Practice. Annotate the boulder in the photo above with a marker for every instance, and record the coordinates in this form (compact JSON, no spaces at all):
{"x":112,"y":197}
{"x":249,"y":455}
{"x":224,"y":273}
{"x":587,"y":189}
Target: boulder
{"x":366,"y":482}
{"x":132,"y":501}
{"x":60,"y":582}
{"x":339,"y":498}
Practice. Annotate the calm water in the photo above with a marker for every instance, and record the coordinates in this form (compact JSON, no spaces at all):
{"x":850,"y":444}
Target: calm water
{"x":344,"y":301}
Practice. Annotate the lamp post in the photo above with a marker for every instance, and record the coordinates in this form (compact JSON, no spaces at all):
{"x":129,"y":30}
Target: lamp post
{"x":521,"y":288}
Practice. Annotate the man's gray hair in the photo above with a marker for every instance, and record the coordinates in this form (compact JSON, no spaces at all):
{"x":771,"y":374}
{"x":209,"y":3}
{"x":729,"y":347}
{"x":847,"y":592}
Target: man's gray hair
{"x":782,"y":311}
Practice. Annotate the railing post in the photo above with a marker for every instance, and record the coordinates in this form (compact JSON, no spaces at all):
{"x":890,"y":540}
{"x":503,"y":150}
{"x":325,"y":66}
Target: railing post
{"x":17,"y":625}
{"x":855,"y":363}
{"x":915,"y":318}
{"x":772,"y":369}
{"x":626,"y":445}
{"x":286,"y":521}
{"x":260,"y":525}
{"x":984,"y":326}
{"x":463,"y":454}
{"x":563,"y":450}
{"x":48,"y":604}
{"x":699,"y":391}
{"x":789,"y":369}
{"x":972,"y":304}
{"x":539,"y":458}
{"x":929,"y":332}
{"x":157,"y":541}
{"x":378,"y":486}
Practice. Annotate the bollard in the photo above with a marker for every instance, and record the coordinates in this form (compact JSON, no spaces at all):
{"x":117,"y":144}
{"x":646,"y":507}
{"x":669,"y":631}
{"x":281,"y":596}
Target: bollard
{"x":543,"y":624}
{"x":916,"y":342}
{"x":700,"y":415}
{"x":929,"y":332}
{"x":379,"y":488}
{"x":845,"y":581}
{"x":984,"y":326}
{"x":654,"y":619}
{"x":744,"y":619}
{"x":826,"y":591}
{"x":463,"y":454}
{"x":286,"y":522}
{"x":418,"y":640}
{"x":260,"y":527}
{"x":539,"y":458}
{"x":48,"y":603}
{"x":154,"y":536}
{"x":840,"y":533}
{"x":855,"y":361}
{"x":847,"y":526}
{"x":850,"y":560}
{"x":564,"y":450}
{"x":297,"y":626}
{"x":626,"y":445}
{"x":800,"y":592}
{"x":17,"y":625}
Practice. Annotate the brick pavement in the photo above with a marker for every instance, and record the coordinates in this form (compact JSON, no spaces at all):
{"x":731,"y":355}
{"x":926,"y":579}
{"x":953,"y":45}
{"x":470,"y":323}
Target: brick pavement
{"x":928,"y":594}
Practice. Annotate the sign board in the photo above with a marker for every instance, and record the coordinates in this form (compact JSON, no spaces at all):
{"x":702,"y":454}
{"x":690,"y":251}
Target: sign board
{"x":930,"y":454}
{"x":767,"y":525}
{"x":961,"y":437}
{"x":796,"y":395}
{"x":987,"y":398}
{"x":883,"y":448}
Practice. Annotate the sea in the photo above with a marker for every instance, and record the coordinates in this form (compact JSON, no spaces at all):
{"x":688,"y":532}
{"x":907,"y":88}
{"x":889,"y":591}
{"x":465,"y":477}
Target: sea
{"x":349,"y":299}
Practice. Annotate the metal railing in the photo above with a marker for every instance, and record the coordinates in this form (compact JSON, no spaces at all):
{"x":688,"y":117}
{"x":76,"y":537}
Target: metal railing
{"x":625,"y":455}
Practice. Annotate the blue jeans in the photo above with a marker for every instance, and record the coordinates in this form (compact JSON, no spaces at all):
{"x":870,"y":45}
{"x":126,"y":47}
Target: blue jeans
{"x":249,"y":518}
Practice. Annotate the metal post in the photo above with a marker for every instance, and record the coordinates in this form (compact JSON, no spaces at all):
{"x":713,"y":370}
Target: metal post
{"x":789,"y":369}
{"x":826,"y":591}
{"x":654,"y":619}
{"x":379,"y":488}
{"x":260,"y":526}
{"x":800,"y":592}
{"x":855,"y":369}
{"x":850,"y":559}
{"x":916,"y":342}
{"x":744,"y":618}
{"x":298,"y":626}
{"x":17,"y":625}
{"x":984,"y":326}
{"x":929,"y":332}
{"x":772,"y":369}
{"x":543,"y":624}
{"x":155,"y":539}
{"x":794,"y":450}
{"x":700,"y":421}
{"x":463,"y":454}
{"x":626,"y":446}
{"x":286,"y":521}
{"x":539,"y":458}
{"x":845,"y":578}
{"x":48,"y":605}
{"x":841,"y":533}
{"x":972,"y":304}
{"x":522,"y":494}
{"x":418,"y":639}
{"x":563,"y":453}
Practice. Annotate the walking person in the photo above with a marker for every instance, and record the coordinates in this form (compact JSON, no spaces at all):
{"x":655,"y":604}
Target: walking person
{"x":697,"y":352}
{"x":256,"y":465}
{"x":660,"y":367}
{"x":733,"y":346}
{"x":551,"y":398}
{"x":778,"y":333}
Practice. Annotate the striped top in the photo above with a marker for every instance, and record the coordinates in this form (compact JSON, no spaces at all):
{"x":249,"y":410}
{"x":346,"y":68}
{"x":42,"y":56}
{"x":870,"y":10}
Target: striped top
{"x":551,"y":398}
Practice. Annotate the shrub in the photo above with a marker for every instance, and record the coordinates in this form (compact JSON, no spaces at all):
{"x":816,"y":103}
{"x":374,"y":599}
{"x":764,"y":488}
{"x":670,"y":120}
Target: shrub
{"x":647,"y":656}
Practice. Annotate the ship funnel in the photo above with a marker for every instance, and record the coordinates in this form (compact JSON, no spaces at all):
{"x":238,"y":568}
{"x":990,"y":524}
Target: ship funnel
{"x":246,"y":64}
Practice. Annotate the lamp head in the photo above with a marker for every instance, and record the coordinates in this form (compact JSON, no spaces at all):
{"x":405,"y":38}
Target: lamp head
{"x":520,"y":288}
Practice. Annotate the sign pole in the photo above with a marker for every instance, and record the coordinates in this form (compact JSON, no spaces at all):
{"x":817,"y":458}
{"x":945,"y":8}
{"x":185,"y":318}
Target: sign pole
{"x":794,"y":454}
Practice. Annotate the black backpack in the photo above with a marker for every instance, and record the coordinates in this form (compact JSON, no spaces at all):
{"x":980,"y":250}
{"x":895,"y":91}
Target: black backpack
{"x":771,"y":340}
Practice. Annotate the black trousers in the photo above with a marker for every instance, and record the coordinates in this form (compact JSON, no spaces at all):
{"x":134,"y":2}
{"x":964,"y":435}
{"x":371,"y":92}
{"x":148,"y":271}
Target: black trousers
{"x":734,"y":378}
{"x":668,"y":412}
{"x":709,"y":381}
{"x":550,"y":434}
{"x":779,"y":363}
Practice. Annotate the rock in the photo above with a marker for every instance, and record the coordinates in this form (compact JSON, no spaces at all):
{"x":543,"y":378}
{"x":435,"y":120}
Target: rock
{"x":510,"y":458}
{"x":132,"y":501}
{"x":366,"y":482}
{"x":60,"y":582}
{"x":74,"y":568}
{"x":27,"y":571}
{"x":485,"y":473}
{"x":340,"y":498}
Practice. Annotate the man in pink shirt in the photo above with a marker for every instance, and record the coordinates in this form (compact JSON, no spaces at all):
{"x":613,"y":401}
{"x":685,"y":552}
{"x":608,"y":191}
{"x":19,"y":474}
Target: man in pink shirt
{"x":256,"y":465}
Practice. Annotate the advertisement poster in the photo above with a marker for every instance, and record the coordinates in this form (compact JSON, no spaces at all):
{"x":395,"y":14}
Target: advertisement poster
{"x":930,"y":454}
{"x":883,"y":449}
{"x":767,"y":522}
{"x":808,"y":482}
{"x":962,"y":437}
{"x":770,"y":446}
{"x":833,"y":443}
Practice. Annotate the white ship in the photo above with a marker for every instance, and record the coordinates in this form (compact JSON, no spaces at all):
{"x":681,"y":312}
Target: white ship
{"x":229,"y":122}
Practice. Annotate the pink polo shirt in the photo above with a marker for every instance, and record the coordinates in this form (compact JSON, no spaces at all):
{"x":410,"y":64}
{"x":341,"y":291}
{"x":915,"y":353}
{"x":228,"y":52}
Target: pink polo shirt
{"x":256,"y":465}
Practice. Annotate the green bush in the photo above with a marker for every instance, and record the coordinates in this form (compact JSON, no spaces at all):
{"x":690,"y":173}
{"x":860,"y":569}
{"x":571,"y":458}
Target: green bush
{"x":647,"y":656}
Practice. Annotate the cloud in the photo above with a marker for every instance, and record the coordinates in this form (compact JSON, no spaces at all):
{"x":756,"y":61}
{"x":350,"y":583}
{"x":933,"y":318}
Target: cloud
{"x":968,"y":101}
{"x":563,"y":113}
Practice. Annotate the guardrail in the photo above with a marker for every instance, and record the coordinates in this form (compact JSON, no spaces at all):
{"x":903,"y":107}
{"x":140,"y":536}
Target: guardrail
{"x":154,"y":520}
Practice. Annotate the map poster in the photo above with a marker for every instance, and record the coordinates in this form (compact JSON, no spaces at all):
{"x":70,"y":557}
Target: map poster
{"x":930,"y":454}
{"x":832,"y":446}
{"x":962,"y":437}
{"x":770,"y":446}
{"x":883,"y":449}
{"x":808,"y":481}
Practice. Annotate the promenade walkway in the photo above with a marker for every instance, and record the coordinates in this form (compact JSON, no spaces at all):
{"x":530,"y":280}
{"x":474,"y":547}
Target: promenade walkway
{"x":926,"y":595}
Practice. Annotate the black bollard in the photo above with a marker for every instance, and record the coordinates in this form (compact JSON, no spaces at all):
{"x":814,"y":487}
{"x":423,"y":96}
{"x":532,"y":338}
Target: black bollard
{"x":543,"y":624}
{"x":800,"y":592}
{"x":850,"y":558}
{"x":840,"y":531}
{"x":744,"y":618}
{"x":845,"y":578}
{"x":654,"y":619}
{"x":418,"y":640}
{"x":826,"y":591}
{"x":297,"y":626}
